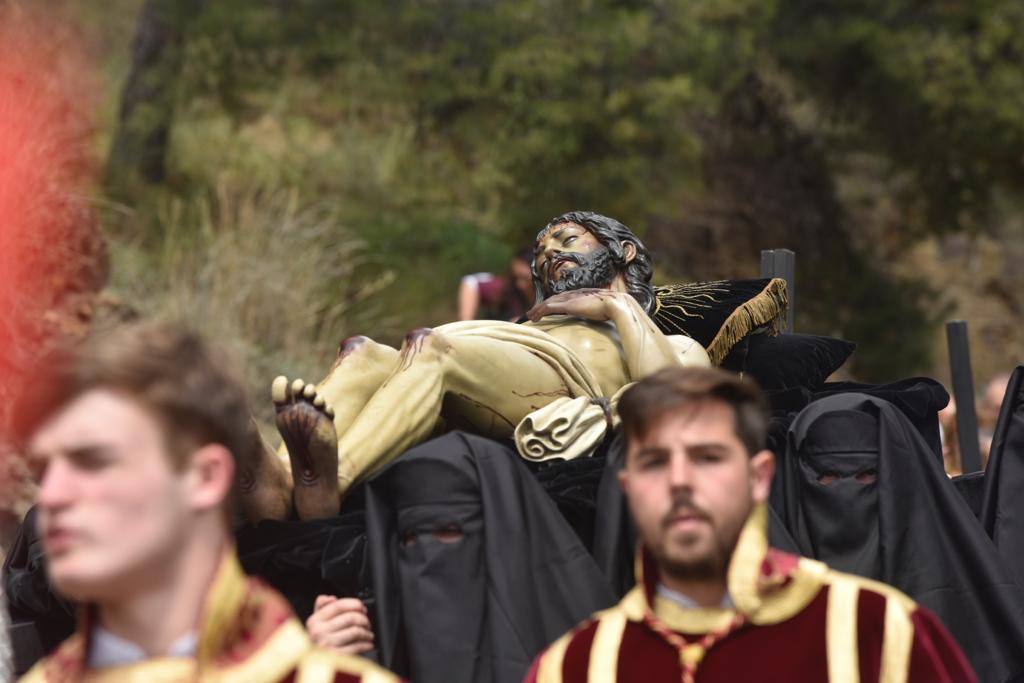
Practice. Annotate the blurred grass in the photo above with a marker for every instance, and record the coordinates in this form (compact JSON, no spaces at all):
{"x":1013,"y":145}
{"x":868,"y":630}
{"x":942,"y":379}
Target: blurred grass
{"x":274,"y":282}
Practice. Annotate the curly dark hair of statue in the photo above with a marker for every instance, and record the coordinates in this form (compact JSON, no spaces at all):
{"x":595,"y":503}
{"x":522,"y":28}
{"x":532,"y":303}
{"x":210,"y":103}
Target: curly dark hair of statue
{"x":612,"y":234}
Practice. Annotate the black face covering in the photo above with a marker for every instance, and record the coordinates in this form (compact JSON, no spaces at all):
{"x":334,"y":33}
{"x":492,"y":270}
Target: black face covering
{"x":440,"y":559}
{"x":838,"y":460}
{"x":475,"y":570}
{"x":910,"y":529}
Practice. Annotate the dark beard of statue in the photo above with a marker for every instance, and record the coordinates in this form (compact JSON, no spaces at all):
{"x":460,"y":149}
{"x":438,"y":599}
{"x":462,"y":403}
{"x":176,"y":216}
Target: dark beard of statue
{"x":597,"y":270}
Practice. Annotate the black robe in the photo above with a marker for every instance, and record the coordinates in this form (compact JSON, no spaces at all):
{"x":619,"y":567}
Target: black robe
{"x":40,"y":619}
{"x":910,"y":528}
{"x":1002,"y":508}
{"x":919,"y":398}
{"x":304,"y":559}
{"x":475,"y":569}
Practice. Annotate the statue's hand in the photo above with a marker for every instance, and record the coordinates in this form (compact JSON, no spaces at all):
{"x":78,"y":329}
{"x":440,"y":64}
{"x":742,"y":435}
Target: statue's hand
{"x":590,"y":304}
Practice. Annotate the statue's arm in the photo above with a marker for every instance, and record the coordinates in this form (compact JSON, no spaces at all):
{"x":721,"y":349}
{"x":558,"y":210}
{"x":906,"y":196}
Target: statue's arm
{"x":646,"y":348}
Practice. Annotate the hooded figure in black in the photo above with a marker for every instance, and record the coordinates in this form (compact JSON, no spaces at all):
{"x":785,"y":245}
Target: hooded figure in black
{"x":1002,"y":509}
{"x":475,"y":570}
{"x":863,"y":492}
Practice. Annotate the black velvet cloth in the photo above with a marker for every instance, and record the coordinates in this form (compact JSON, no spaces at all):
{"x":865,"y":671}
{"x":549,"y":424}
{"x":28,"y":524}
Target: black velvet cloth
{"x":475,"y":569}
{"x":573,"y":486}
{"x":1003,"y":503}
{"x":25,"y":583}
{"x":927,"y":542}
{"x":48,"y":618}
{"x":919,"y":398}
{"x":615,"y":537}
{"x":788,"y":361}
{"x":305,"y":559}
{"x":972,"y":487}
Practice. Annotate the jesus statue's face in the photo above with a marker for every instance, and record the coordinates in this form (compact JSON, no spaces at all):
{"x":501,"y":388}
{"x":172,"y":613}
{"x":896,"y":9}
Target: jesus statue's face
{"x":569,"y":257}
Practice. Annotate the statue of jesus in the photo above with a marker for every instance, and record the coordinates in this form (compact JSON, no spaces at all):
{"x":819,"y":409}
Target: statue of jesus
{"x":589,"y":334}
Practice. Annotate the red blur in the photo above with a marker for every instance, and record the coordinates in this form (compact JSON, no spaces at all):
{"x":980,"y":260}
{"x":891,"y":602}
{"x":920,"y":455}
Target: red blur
{"x":52,"y":259}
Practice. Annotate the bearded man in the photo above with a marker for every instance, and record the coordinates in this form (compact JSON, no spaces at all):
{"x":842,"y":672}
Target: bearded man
{"x":712,"y":602}
{"x":590,"y":335}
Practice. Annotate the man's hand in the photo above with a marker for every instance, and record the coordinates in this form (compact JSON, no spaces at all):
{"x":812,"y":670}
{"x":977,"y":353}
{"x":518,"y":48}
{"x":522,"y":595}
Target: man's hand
{"x":589,"y":304}
{"x":340,"y":624}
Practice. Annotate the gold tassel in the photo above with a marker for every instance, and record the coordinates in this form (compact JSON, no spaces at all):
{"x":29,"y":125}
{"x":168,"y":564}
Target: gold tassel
{"x":767,"y":308}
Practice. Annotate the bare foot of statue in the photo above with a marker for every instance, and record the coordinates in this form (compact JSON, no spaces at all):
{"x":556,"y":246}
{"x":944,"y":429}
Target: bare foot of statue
{"x":264,"y":489}
{"x":307,"y":427}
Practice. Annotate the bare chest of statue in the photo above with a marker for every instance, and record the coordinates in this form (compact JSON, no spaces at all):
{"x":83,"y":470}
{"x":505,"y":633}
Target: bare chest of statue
{"x":596,"y":344}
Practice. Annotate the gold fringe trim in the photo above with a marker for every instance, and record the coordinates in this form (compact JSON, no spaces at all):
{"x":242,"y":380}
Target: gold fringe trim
{"x":766,"y":308}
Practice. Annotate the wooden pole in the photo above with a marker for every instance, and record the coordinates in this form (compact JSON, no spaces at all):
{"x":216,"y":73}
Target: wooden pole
{"x":963,"y":392}
{"x":782,"y":263}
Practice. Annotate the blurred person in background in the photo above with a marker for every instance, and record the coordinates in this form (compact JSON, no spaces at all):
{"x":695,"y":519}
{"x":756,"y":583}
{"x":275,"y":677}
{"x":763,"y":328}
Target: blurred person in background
{"x":485,"y":296}
{"x":950,"y":439}
{"x":988,"y":411}
{"x":136,"y":438}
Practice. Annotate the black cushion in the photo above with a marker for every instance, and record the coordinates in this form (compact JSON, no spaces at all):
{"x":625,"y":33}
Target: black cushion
{"x":789,"y":361}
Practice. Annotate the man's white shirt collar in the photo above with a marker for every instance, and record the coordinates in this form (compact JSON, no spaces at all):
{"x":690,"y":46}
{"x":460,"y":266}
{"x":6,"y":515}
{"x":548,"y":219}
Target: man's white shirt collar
{"x":686,"y":601}
{"x":107,"y":649}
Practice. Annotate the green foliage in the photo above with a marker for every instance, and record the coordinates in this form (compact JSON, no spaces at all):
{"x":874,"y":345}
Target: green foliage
{"x":209,"y":268}
{"x":521,"y":109}
{"x":444,"y":134}
{"x":935,"y":87}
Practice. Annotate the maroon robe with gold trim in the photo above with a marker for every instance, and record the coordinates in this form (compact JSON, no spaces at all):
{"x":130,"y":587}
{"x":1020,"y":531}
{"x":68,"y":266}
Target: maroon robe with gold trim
{"x":247,"y":633}
{"x":794,"y":620}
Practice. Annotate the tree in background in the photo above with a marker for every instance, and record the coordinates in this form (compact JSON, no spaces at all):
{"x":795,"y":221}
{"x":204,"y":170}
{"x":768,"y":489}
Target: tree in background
{"x":443,"y":134}
{"x":138,"y":151}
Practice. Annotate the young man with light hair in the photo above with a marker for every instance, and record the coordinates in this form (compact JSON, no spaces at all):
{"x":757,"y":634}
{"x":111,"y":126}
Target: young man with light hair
{"x":713,"y":603}
{"x":137,"y":437}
